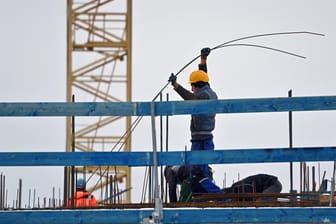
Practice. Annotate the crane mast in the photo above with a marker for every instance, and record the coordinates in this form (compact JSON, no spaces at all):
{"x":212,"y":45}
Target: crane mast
{"x":99,"y":54}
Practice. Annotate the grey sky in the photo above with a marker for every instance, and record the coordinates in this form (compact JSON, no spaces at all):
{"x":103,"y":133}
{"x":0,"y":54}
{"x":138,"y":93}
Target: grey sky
{"x":167,"y":35}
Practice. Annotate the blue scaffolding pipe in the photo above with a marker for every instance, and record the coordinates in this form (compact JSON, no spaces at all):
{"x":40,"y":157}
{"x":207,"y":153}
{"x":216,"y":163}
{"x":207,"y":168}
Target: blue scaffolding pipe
{"x":169,"y":108}
{"x":181,"y":216}
{"x":268,"y":155}
{"x":219,"y":156}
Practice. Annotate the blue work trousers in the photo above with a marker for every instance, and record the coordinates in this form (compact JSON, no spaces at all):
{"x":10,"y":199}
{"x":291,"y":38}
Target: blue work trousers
{"x":201,"y":171}
{"x":201,"y":145}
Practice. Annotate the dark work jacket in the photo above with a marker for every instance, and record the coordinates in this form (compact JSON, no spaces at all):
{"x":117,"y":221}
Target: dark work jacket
{"x":201,"y":125}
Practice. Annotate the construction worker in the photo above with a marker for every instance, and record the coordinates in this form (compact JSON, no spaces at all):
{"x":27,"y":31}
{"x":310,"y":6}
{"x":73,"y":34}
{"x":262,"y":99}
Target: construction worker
{"x":83,"y":198}
{"x":175,"y":175}
{"x":180,"y":175}
{"x":259,"y":183}
{"x":201,"y":125}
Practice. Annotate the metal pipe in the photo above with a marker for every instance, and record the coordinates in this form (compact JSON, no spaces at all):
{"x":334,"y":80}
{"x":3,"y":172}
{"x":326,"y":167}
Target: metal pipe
{"x":301,"y":177}
{"x":332,"y":186}
{"x":161,"y":150}
{"x":144,"y":188}
{"x":167,"y":138}
{"x":150,"y":187}
{"x":308,"y":179}
{"x":34,"y":193}
{"x":111,"y":189}
{"x":157,"y":214}
{"x":53,"y":198}
{"x":107,"y":184}
{"x":304,"y":176}
{"x":73,"y":150}
{"x":290,"y":143}
{"x":20,"y":194}
{"x":319,"y":173}
{"x":6,"y":198}
{"x":59,"y":197}
{"x":29,"y":194}
{"x":3,"y":190}
{"x":1,"y":198}
{"x":115,"y":188}
{"x":313,"y":179}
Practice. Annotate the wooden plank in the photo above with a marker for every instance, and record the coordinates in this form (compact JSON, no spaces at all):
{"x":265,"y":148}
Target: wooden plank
{"x":191,"y":215}
{"x":169,"y":108}
{"x":167,"y":158}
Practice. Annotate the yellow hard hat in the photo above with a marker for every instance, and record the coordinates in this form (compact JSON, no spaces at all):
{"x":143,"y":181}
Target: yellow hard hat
{"x":198,"y":76}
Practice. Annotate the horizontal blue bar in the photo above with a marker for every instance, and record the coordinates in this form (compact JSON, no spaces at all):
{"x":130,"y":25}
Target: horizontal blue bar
{"x":167,"y":158}
{"x":181,"y":216}
{"x":169,"y":108}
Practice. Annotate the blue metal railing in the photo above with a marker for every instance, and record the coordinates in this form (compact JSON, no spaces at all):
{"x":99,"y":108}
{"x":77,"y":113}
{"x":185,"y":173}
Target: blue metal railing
{"x":219,"y":215}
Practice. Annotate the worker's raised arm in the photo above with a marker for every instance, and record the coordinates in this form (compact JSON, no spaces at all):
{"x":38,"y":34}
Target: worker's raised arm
{"x":203,"y":64}
{"x":172,"y":80}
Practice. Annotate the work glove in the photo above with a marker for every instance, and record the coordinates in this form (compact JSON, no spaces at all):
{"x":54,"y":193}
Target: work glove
{"x":205,"y":51}
{"x":172,"y":78}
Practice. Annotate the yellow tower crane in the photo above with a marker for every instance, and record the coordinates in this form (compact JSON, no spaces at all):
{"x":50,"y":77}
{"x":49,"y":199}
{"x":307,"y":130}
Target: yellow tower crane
{"x":99,"y":54}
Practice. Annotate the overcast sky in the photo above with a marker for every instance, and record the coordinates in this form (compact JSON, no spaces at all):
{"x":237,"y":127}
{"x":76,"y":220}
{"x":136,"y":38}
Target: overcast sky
{"x":167,"y":35}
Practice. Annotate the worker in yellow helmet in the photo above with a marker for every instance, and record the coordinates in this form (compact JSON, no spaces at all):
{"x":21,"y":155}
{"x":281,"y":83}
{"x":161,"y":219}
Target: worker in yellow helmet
{"x":201,"y":125}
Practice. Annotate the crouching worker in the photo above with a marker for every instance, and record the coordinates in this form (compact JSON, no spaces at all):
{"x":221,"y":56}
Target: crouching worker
{"x":83,"y":198}
{"x":177,"y":175}
{"x":259,"y":183}
{"x":180,"y":175}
